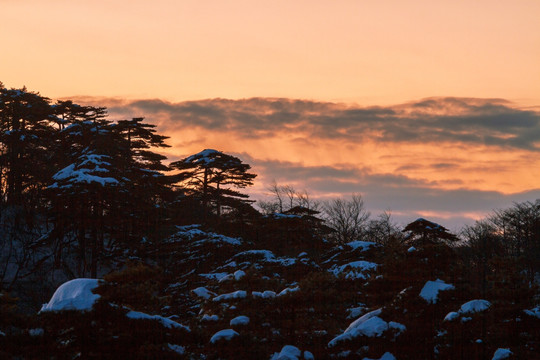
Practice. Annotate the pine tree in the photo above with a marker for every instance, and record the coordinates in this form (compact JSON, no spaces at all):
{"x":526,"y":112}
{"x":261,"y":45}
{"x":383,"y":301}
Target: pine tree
{"x":25,"y":129}
{"x":148,"y":188}
{"x":212,"y":175}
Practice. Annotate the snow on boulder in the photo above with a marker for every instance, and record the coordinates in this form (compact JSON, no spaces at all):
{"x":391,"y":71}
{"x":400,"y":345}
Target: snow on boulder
{"x":239,"y":320}
{"x":370,"y":325}
{"x":218,"y":239}
{"x":288,"y":352}
{"x":207,"y":317}
{"x":363,"y":319}
{"x":239,"y":274}
{"x":468,"y":308}
{"x":226,"y":334}
{"x":240,"y":294}
{"x":355,"y":312}
{"x":474,"y":306}
{"x":363,"y":245}
{"x":203,"y":292}
{"x":501,"y":354}
{"x":386,"y":356}
{"x":354,"y":270}
{"x":75,"y":294}
{"x":288,"y":291}
{"x":267,"y":294}
{"x":431,"y":289}
{"x":168,"y":323}
{"x":451,"y":316}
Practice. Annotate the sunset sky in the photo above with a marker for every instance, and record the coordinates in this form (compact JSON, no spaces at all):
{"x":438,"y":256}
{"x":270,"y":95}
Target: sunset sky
{"x":426,"y":108}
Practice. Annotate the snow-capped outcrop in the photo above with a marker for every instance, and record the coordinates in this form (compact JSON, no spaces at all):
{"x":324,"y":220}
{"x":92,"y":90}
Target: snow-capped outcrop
{"x":239,"y":320}
{"x":226,"y":334}
{"x":430,"y":291}
{"x":75,"y":294}
{"x":168,"y":323}
{"x":369,"y":325}
{"x":469,"y":307}
{"x":501,"y":354}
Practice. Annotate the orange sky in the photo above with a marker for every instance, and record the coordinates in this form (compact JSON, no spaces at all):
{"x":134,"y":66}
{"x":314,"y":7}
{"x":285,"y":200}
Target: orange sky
{"x":365,"y":52}
{"x":345,"y":57}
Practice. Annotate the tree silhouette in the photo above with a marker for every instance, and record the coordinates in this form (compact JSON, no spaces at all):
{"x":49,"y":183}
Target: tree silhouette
{"x":212,"y":175}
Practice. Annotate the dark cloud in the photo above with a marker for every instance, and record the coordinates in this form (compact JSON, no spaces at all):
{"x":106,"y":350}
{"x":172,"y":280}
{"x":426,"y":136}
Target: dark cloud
{"x":492,"y":122}
{"x":457,"y":121}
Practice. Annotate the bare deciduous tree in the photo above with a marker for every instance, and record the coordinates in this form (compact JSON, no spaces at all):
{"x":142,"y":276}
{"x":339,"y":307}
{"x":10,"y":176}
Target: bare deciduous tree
{"x":382,"y":230}
{"x":347,"y":217}
{"x":286,"y":197}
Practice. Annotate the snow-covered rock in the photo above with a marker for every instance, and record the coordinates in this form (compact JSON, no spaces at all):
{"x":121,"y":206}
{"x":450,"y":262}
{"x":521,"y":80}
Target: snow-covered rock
{"x":267,"y":294}
{"x":431,"y":289}
{"x":474,"y":306}
{"x":265,"y":256}
{"x":75,"y":294}
{"x":386,"y":356}
{"x":355,"y":312}
{"x":288,"y":352}
{"x":288,"y":291}
{"x":203,"y":292}
{"x":168,"y":323}
{"x":451,"y":316}
{"x":240,"y":294}
{"x":239,"y":274}
{"x":470,"y":307}
{"x":370,"y":325}
{"x":501,"y":354}
{"x":207,"y":317}
{"x":226,"y":334}
{"x":239,"y":320}
{"x":363,"y":245}
{"x":354,"y":270}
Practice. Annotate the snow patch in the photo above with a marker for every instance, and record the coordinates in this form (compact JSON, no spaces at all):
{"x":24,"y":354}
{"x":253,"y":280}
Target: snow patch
{"x":240,"y":294}
{"x":203,"y":292}
{"x":288,"y":352}
{"x":354,"y":270}
{"x":207,"y":317}
{"x":474,"y":306}
{"x":226,"y":334}
{"x":451,"y":316}
{"x":363,"y":245}
{"x":264,"y":295}
{"x":370,"y":325}
{"x":239,"y":320}
{"x":239,"y":274}
{"x":288,"y":291}
{"x":168,"y":323}
{"x":470,"y":307}
{"x":431,"y":289}
{"x":386,"y":356}
{"x":501,"y":354}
